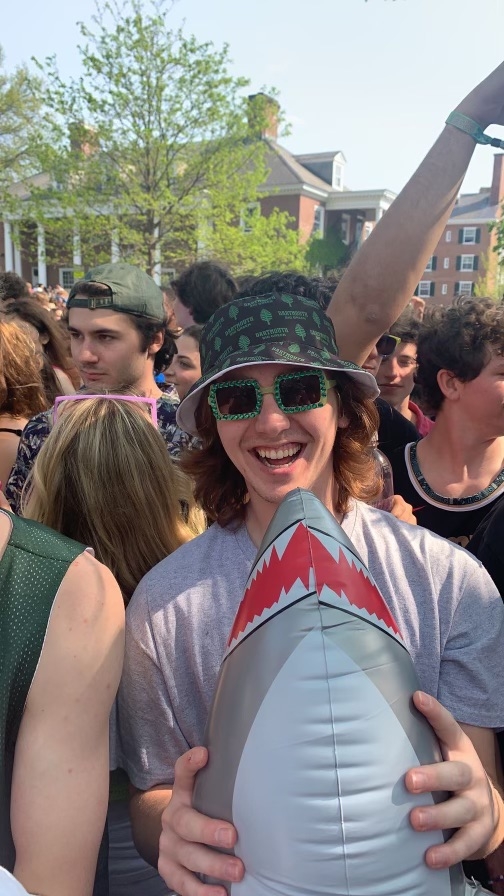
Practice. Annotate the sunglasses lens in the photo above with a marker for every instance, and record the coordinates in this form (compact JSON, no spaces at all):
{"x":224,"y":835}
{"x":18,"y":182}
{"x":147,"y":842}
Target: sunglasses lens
{"x":236,"y":399}
{"x":300,"y":391}
{"x":385,"y":345}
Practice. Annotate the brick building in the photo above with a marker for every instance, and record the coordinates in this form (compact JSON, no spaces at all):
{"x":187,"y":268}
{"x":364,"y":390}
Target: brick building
{"x":464,"y":254}
{"x":310,"y":187}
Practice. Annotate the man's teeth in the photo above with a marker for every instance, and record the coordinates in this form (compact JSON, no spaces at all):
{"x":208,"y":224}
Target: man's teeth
{"x":278,"y":454}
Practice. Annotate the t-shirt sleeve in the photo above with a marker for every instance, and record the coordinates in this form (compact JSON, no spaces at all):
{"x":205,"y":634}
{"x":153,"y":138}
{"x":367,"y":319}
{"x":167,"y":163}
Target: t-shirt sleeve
{"x":471,"y":681}
{"x":148,"y":738}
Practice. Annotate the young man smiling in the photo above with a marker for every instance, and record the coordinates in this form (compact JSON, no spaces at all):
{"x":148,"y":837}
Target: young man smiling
{"x":276,"y":409}
{"x":454,"y":475}
{"x":119,"y":338}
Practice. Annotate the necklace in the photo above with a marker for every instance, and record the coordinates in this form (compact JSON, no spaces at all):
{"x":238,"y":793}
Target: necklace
{"x":442,"y":499}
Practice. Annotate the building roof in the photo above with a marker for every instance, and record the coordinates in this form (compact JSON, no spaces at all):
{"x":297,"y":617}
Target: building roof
{"x":286,"y":171}
{"x":474,"y":207}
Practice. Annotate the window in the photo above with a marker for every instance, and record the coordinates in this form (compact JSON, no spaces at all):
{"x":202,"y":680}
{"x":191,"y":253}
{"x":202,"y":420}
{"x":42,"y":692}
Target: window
{"x":469,"y":235}
{"x":464,"y":288}
{"x":66,"y":277}
{"x":318,"y":220}
{"x":425,"y":289}
{"x":448,"y":236}
{"x":467,"y":263}
{"x":446,"y":263}
{"x":432,"y":263}
{"x":444,"y":289}
{"x":345,"y":228}
{"x":337,"y":176}
{"x":252,"y":210}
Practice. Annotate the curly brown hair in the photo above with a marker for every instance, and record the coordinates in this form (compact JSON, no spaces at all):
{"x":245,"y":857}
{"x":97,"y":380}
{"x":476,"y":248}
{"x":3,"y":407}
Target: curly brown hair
{"x":221,"y":490}
{"x":460,"y":339}
{"x":21,"y":390}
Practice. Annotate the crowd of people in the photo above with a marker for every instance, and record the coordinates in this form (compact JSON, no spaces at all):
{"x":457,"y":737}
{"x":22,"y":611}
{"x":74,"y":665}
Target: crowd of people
{"x":147,"y":438}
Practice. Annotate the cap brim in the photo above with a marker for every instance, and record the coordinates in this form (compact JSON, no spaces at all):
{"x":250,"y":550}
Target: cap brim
{"x":187,"y":407}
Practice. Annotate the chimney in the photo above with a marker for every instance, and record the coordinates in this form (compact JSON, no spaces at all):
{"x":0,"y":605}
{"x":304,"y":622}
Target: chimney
{"x":497,"y":188}
{"x":83,"y":138}
{"x":263,"y":115}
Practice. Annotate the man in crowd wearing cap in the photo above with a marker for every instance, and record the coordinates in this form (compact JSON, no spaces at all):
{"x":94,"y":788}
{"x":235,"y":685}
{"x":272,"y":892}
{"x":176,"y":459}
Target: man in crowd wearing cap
{"x":119,"y":339}
{"x":276,"y":409}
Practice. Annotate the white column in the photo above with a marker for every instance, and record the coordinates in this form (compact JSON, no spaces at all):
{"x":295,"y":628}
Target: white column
{"x":41,"y":256}
{"x":77,"y":252}
{"x":115,"y":254}
{"x":156,"y":270}
{"x":9,"y":256}
{"x":18,"y":267}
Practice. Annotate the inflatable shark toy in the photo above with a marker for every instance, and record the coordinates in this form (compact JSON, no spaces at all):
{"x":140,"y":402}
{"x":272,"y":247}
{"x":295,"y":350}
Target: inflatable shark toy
{"x":312,"y":726}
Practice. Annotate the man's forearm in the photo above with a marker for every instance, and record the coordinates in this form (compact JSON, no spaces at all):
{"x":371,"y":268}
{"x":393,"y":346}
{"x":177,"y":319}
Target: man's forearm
{"x":383,"y":275}
{"x":146,"y":809}
{"x":381,"y":278}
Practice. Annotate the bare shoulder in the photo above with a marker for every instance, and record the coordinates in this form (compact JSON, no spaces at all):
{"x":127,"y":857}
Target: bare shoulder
{"x":89,"y":589}
{"x":85,"y":635}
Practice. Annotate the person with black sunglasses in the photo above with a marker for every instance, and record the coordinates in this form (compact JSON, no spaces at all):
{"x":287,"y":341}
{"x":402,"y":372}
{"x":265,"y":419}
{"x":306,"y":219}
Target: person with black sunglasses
{"x":277,"y":409}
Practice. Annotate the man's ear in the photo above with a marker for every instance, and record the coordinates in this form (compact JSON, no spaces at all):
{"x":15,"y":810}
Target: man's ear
{"x":156,"y":344}
{"x":449,"y":384}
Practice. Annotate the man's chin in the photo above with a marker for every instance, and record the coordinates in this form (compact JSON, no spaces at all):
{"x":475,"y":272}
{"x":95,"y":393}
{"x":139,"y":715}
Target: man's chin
{"x":90,"y":379}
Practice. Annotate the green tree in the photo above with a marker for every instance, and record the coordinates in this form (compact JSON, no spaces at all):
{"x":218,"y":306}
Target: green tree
{"x":266,"y":243}
{"x":327,"y":254}
{"x":154,"y":145}
{"x":20,"y":127}
{"x":496,"y":268}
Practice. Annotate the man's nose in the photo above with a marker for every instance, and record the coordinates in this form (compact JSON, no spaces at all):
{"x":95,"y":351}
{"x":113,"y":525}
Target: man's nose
{"x":87,"y":353}
{"x":271,"y":418}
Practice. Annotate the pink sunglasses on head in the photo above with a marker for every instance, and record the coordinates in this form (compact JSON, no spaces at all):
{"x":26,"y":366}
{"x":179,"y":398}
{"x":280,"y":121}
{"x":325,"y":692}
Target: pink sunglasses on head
{"x":141,"y":399}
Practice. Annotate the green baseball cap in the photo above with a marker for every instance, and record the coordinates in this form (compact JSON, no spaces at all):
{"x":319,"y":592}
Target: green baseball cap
{"x":131,"y":291}
{"x":270,"y":329}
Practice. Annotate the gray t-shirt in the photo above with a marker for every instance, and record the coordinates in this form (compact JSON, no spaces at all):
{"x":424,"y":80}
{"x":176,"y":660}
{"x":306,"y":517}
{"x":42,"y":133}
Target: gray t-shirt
{"x":448,"y":611}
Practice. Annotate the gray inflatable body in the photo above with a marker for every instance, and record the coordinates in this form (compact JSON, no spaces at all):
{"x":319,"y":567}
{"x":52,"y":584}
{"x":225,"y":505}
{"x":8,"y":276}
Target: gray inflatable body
{"x":312,"y":727}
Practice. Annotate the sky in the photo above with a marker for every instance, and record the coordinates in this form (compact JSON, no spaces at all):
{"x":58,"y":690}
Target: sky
{"x":373,"y":79}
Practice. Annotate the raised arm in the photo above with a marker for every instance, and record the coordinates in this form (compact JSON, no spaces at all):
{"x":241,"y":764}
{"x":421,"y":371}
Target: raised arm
{"x":60,"y":781}
{"x":383,"y":275}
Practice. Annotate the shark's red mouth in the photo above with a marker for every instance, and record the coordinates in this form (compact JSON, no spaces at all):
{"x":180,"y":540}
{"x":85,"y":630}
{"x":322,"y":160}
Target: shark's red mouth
{"x":299,"y":557}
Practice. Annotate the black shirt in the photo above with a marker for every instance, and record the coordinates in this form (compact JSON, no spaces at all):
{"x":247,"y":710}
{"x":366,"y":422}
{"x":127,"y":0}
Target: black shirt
{"x":453,"y":518}
{"x":487,"y":544}
{"x":394,"y":430}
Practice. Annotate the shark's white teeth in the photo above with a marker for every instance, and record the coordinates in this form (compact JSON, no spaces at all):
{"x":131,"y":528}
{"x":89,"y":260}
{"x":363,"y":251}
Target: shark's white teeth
{"x":328,"y":596}
{"x":285,"y":598}
{"x":334,"y":546}
{"x":279,"y":545}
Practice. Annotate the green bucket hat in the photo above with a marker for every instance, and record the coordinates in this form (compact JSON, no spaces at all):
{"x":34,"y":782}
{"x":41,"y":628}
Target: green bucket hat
{"x":270,"y":329}
{"x":132,"y":291}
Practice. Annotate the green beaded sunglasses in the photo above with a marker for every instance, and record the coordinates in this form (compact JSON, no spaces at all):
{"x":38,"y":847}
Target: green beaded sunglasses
{"x":302,"y":390}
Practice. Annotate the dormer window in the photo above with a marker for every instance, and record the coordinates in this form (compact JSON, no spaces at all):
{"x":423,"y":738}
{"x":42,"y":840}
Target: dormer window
{"x":337,"y":178}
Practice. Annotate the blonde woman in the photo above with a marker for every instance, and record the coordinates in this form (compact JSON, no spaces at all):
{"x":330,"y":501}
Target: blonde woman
{"x":21,"y":391}
{"x":104,"y":478}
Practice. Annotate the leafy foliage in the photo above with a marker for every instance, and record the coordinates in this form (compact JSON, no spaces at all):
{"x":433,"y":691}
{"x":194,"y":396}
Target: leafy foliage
{"x":20,"y":126}
{"x":155,"y":147}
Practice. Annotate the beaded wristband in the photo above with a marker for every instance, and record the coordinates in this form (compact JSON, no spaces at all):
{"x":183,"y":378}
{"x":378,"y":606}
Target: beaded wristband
{"x":468,"y":126}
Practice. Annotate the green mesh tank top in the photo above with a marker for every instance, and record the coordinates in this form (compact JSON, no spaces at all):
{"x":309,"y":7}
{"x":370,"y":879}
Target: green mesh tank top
{"x":32,"y":567}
